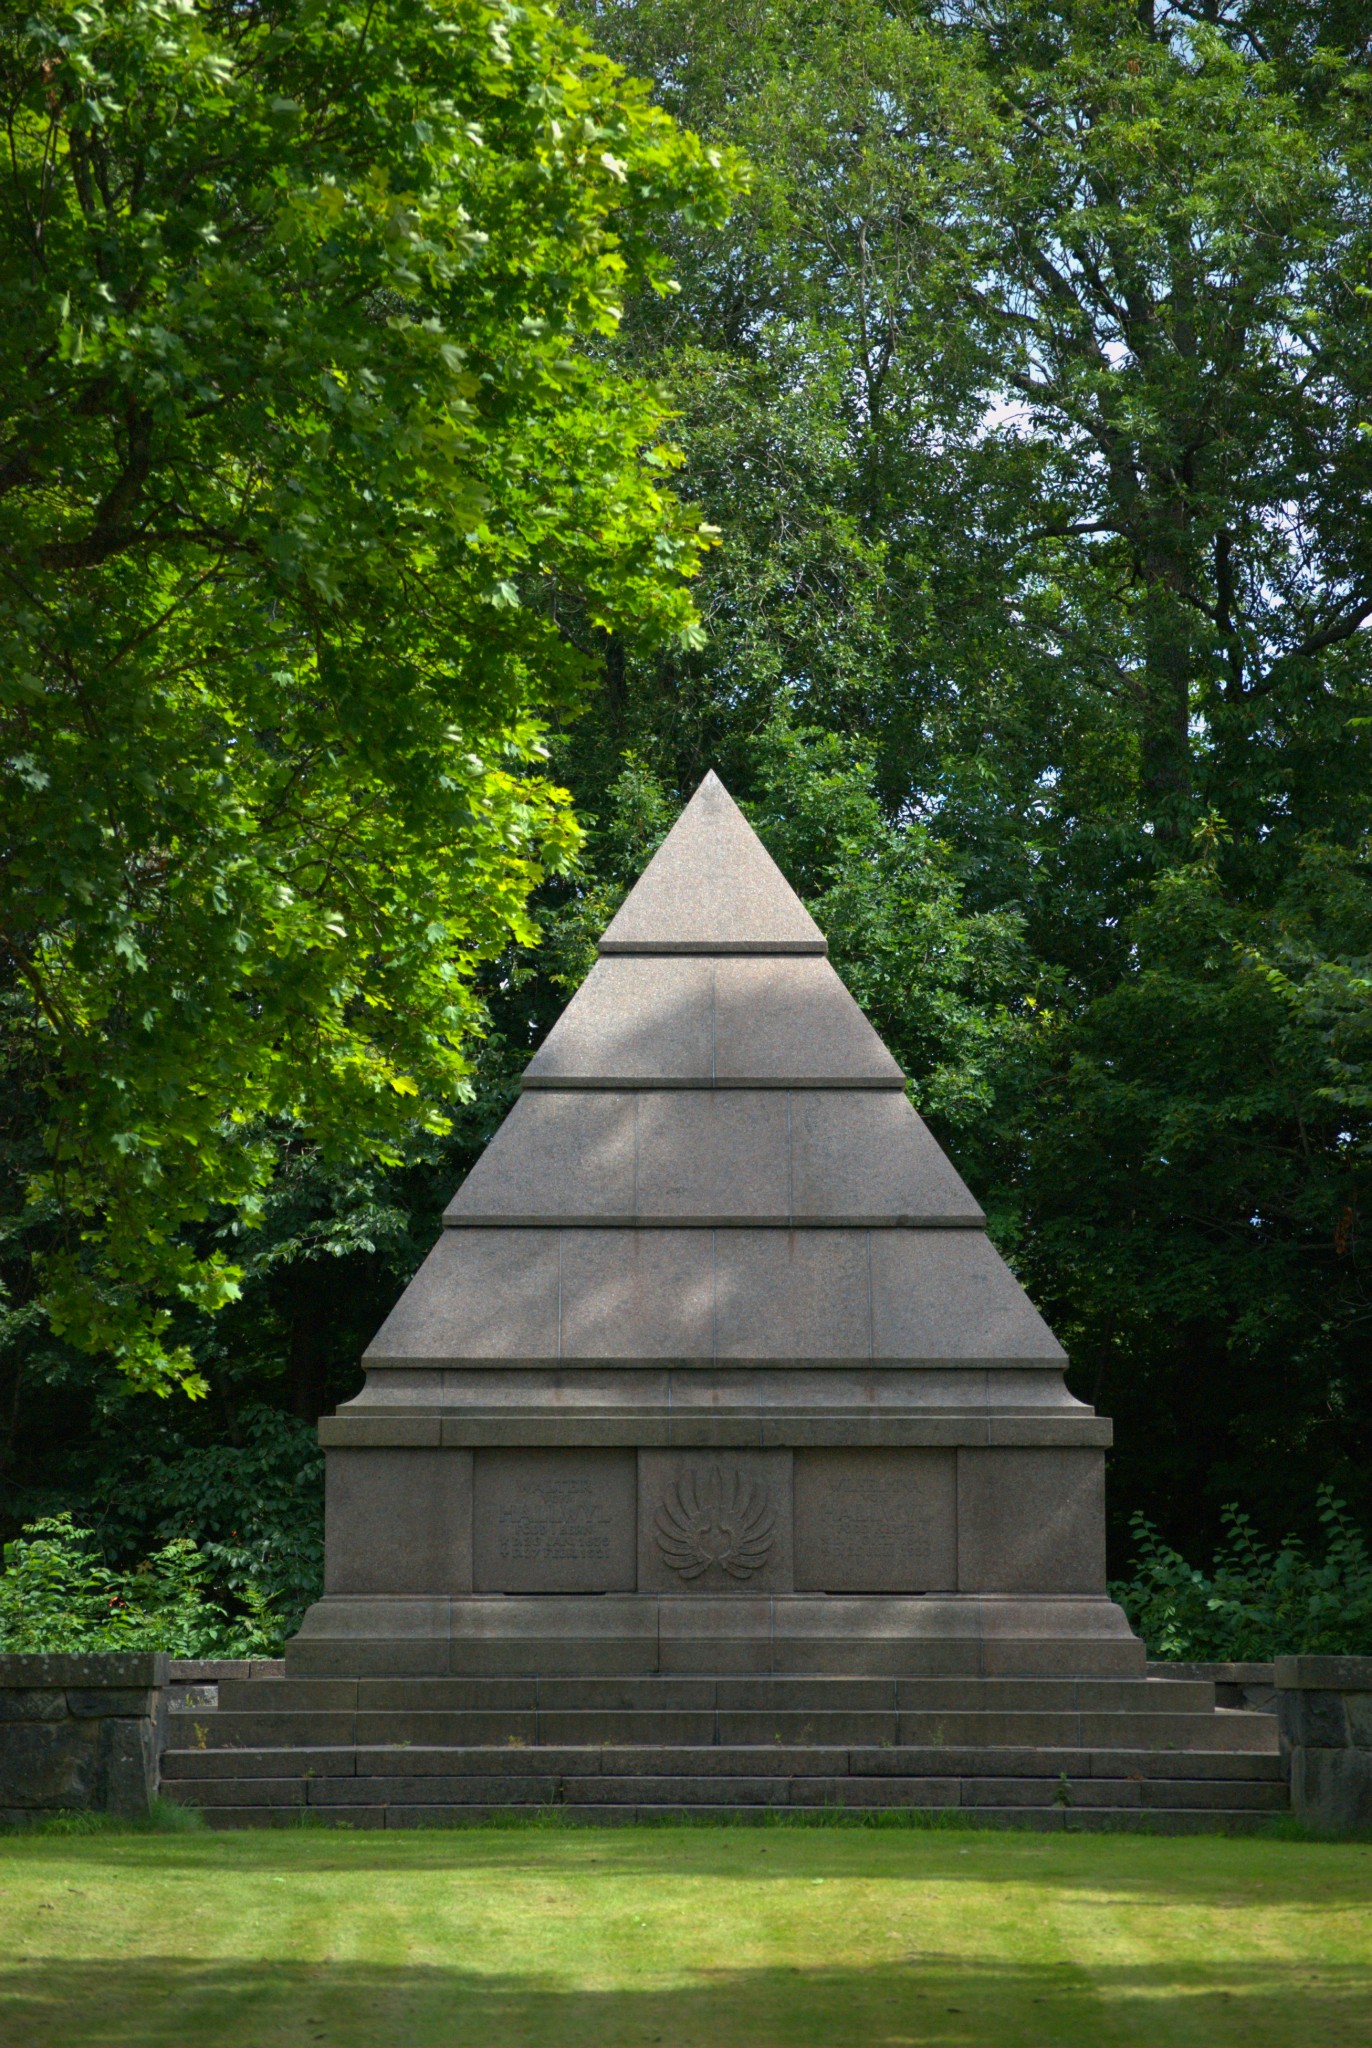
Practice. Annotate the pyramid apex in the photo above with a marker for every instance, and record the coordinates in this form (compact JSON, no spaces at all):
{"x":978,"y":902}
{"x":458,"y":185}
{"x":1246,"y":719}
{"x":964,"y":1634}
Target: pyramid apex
{"x":712,"y":887}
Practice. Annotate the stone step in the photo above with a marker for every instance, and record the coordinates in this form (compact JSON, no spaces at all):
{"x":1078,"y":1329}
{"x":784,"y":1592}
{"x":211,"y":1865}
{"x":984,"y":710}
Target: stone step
{"x":1157,"y":1729}
{"x":684,"y":1695}
{"x":1093,"y":1820}
{"x":552,"y":1789}
{"x":1234,"y":1730}
{"x":779,"y":1760}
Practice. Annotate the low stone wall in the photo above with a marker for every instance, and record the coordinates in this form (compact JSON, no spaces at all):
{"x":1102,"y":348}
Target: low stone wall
{"x":1324,"y":1714}
{"x":1253,"y":1686}
{"x":85,"y":1733}
{"x":80,"y":1734}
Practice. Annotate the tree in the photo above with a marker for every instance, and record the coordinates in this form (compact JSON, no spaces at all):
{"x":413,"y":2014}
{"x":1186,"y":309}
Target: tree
{"x":313,"y":494}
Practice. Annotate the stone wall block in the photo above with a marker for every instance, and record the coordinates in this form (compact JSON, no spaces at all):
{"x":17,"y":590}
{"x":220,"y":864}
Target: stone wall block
{"x":1324,"y":1715}
{"x":46,"y":1765}
{"x":398,"y":1521}
{"x":554,"y":1521}
{"x":128,"y":1767}
{"x":1324,"y":1674}
{"x":91,"y":1703}
{"x":1311,"y":1720}
{"x":1357,"y":1712}
{"x":1331,"y":1789}
{"x":101,"y":1668}
{"x":81,"y":1732}
{"x":32,"y":1705}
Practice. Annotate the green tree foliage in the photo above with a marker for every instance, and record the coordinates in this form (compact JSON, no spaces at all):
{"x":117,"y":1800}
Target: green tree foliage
{"x":312,"y":494}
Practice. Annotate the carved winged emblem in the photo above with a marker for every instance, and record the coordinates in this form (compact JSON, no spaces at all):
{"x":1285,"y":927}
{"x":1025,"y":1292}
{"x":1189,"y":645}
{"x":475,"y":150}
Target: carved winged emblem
{"x":715,"y":1517}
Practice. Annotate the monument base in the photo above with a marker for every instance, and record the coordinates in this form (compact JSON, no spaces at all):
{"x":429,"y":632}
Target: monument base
{"x":632,"y":1634}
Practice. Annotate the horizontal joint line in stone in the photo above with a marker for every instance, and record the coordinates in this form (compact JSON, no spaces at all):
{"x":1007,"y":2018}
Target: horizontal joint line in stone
{"x":628,"y":1083}
{"x":733,"y":949}
{"x":620,"y":1221}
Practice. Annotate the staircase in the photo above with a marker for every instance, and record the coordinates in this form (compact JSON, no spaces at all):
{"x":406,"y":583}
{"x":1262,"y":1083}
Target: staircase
{"x":1045,"y":1753}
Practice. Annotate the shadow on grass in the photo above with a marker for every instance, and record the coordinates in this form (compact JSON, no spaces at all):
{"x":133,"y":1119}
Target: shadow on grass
{"x":914,"y":2002}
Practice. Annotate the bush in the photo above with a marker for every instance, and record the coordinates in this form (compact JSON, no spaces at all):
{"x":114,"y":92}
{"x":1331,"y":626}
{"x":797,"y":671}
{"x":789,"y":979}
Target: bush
{"x":254,"y":1506}
{"x":1255,"y":1603}
{"x":57,"y":1593}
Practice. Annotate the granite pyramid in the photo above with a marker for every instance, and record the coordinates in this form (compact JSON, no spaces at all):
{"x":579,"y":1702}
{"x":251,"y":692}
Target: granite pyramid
{"x":714,"y":1366}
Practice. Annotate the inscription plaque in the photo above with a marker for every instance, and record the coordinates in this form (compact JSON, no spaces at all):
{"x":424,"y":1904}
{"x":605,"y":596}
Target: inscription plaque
{"x":554,"y":1521}
{"x":876,"y":1521}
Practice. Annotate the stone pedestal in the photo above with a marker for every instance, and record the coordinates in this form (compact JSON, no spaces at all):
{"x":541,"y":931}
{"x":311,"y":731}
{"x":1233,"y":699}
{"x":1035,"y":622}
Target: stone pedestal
{"x":714,"y":1368}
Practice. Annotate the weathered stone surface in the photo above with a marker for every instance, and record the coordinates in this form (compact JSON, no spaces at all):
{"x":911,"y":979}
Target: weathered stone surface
{"x":398,"y":1521}
{"x":554,"y":1521}
{"x":792,"y":1295}
{"x":637,"y":1294}
{"x":1326,"y":1674}
{"x":1357,"y":1710}
{"x":91,"y":1668}
{"x":865,"y":1157}
{"x":49,"y":1765}
{"x":1311,"y":1720}
{"x":128,"y":1767}
{"x":1031,"y":1521}
{"x":876,"y":1521}
{"x":947,"y":1296}
{"x":808,"y":1156}
{"x":480,"y":1294}
{"x":714,"y":1521}
{"x":780,"y":1021}
{"x":559,"y":1157}
{"x":1331,"y":1789}
{"x":709,"y":1155}
{"x":632,"y":1022}
{"x":712,"y":887}
{"x":26,"y":1705}
{"x":87,"y":1701}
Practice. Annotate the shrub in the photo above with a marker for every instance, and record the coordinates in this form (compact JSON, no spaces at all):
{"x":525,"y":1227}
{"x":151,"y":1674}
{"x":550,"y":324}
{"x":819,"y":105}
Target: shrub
{"x":1255,"y":1603}
{"x":57,"y":1593}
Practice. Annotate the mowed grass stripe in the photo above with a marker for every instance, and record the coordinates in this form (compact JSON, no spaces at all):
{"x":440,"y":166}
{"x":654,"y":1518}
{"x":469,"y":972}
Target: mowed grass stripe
{"x":683,"y":1937}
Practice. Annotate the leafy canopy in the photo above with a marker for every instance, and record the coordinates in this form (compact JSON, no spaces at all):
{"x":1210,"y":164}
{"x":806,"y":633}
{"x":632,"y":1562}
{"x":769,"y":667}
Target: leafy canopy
{"x":314,"y":492}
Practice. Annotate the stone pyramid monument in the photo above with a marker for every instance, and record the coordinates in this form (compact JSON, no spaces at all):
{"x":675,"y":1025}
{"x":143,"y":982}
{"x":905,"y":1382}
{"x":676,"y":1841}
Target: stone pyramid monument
{"x":714,"y":1367}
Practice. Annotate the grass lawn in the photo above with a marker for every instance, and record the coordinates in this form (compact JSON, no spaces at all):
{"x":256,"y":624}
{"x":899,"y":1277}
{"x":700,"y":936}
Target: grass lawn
{"x":685,"y":1937}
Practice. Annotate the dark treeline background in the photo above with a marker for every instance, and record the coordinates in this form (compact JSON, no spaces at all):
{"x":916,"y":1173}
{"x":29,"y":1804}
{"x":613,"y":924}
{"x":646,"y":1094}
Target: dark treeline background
{"x":1030,"y":390}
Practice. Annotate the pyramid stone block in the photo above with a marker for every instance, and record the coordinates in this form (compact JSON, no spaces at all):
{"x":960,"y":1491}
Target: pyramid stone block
{"x":637,"y":1295}
{"x":713,"y":1155}
{"x":714,"y":1367}
{"x":715,"y":889}
{"x":791,"y":1023}
{"x":870,"y":1159}
{"x":561,"y":1156}
{"x":634,"y":1023}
